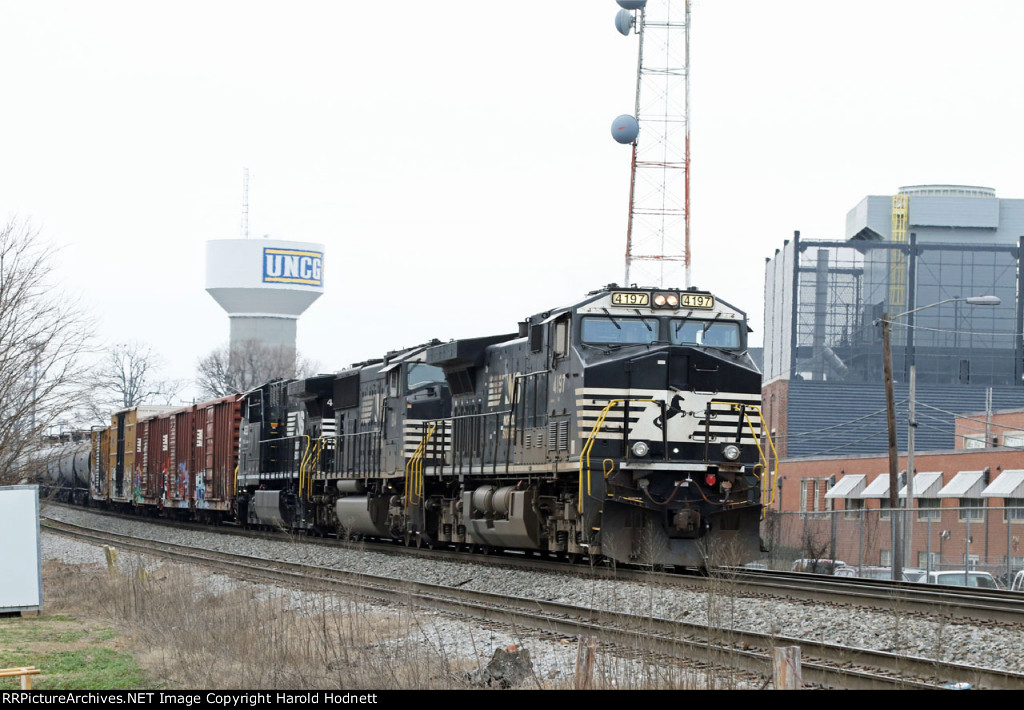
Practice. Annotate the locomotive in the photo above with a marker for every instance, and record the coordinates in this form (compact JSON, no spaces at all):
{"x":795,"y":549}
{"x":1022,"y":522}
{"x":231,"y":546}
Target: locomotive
{"x":624,"y":427}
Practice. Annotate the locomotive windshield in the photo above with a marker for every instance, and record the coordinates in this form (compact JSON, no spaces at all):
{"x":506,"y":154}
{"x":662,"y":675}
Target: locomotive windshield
{"x":421,"y":374}
{"x":719,"y":334}
{"x":619,"y":330}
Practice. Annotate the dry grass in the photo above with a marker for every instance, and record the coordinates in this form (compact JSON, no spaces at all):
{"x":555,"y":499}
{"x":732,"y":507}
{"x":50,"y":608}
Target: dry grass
{"x":190,"y":629}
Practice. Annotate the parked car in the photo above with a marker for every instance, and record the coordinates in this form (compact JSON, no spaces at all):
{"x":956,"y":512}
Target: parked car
{"x":820,"y":566}
{"x":963,"y":578}
{"x":910,"y":574}
{"x":913,"y":574}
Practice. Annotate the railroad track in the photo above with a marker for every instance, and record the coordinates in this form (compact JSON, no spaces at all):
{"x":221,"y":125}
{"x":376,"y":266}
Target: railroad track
{"x":960,"y":603}
{"x":825,"y":665}
{"x":927,"y":600}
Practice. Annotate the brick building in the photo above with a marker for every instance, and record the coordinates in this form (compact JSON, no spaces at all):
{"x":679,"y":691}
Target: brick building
{"x":968,"y":503}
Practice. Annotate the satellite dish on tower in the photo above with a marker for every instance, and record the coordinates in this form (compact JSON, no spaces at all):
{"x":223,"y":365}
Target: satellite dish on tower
{"x":625,"y":129}
{"x":632,"y":4}
{"x":624,"y":22}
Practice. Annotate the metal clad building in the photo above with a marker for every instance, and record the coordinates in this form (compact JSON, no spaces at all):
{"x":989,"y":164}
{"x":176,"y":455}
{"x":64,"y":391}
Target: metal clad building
{"x":823,"y":368}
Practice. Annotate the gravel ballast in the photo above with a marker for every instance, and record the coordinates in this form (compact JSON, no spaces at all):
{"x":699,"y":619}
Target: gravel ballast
{"x":981,"y":645}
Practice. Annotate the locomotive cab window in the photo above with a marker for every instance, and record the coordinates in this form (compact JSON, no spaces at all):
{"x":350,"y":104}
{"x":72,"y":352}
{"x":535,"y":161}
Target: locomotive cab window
{"x":618,"y":330}
{"x":719,"y":334}
{"x":560,"y":341}
{"x":394,"y":380}
{"x":421,"y":375}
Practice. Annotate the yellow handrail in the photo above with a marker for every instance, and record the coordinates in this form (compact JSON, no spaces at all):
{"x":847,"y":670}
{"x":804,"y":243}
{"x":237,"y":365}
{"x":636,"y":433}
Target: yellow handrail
{"x":587,"y":447}
{"x":773,"y":477}
{"x":302,"y":462}
{"x":310,"y":462}
{"x":739,"y":406}
{"x":414,"y":469}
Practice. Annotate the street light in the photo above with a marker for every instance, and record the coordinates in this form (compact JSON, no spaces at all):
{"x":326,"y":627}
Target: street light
{"x":903,"y":547}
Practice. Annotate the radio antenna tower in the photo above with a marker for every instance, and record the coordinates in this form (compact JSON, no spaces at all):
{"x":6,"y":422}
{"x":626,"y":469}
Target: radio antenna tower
{"x":658,"y":230}
{"x":245,"y":203}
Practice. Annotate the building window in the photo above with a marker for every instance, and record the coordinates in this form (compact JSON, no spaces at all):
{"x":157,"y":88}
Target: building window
{"x":885,"y":558}
{"x":975,"y":441}
{"x":1014,"y":511}
{"x":884,"y":510}
{"x":972,"y":509}
{"x":854,"y":507}
{"x":928,"y":560}
{"x":929,"y":509}
{"x":812,"y":495}
{"x":1014,"y":439}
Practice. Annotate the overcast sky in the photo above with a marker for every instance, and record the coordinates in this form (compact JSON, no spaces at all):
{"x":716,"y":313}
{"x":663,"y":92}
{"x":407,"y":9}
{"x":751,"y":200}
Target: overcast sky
{"x":456,"y":159}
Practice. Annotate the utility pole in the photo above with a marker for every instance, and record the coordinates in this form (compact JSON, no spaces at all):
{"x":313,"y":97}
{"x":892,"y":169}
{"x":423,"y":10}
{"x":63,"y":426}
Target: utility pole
{"x":890,"y":413}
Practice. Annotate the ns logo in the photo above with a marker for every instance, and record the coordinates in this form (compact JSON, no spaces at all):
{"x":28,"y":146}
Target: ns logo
{"x":293,"y":266}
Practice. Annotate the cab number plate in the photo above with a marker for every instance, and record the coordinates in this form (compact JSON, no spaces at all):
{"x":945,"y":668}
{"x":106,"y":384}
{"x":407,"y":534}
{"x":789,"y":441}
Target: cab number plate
{"x":696,"y":300}
{"x":625,"y":298}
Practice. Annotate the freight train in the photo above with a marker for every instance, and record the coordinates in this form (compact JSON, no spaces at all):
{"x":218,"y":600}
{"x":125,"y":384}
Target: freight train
{"x":624,"y":427}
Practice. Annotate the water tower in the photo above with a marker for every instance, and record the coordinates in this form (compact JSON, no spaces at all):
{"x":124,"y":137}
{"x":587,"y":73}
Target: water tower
{"x":264,"y":285}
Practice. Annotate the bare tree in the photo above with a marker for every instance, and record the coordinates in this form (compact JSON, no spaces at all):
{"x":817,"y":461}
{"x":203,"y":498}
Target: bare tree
{"x":127,"y":376}
{"x":227,"y":371}
{"x":42,"y":337}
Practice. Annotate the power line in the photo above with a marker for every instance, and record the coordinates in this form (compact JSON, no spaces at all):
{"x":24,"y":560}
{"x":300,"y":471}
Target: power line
{"x":842,"y":424}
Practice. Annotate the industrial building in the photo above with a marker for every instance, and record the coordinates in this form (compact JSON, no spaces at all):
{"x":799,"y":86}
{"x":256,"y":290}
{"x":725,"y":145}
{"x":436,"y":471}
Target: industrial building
{"x":916,"y":256}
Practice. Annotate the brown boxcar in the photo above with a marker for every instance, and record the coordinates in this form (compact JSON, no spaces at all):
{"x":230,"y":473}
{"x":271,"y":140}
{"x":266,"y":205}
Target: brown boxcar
{"x":180,"y":464}
{"x":99,"y":481}
{"x":218,"y":421}
{"x":154,"y":436}
{"x":203,"y":457}
{"x":181,"y":459}
{"x":124,"y":477}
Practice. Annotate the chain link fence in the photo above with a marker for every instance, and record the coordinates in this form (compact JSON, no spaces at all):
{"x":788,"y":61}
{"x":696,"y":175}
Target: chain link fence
{"x":989,"y":539}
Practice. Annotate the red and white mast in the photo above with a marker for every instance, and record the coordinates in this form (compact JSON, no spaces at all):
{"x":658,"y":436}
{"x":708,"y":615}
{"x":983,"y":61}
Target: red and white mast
{"x":658,"y":230}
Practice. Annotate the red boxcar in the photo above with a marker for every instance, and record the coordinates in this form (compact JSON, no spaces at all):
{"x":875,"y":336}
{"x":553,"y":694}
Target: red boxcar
{"x":154,"y":437}
{"x":219,"y":422}
{"x":180,"y":460}
{"x":204,"y":455}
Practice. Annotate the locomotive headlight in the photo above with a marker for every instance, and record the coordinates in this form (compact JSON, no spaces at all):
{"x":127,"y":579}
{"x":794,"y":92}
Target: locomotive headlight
{"x":666,"y":300}
{"x":730,"y":452}
{"x":640,"y":449}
